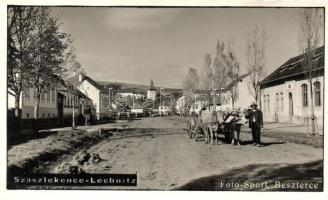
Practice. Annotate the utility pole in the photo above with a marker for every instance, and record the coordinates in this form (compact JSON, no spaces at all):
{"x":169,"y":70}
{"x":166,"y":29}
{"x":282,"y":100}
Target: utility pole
{"x":214,"y":90}
{"x":74,"y":108}
{"x":110,"y":101}
{"x":73,"y":105}
{"x":195,"y":97}
{"x":133,"y":105}
{"x":162,"y":99}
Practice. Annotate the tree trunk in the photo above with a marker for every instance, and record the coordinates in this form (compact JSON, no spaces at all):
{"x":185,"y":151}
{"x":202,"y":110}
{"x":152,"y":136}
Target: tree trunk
{"x":312,"y":106}
{"x":36,"y":114}
{"x":17,"y":111}
{"x":311,"y":88}
{"x":73,"y":113}
{"x":256,"y":96}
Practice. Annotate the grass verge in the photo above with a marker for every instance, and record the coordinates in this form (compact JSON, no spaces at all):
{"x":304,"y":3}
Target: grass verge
{"x":32,"y":156}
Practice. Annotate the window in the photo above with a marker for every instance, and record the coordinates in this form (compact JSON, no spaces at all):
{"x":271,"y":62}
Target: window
{"x":76,"y":102}
{"x":27,"y":115}
{"x":27,"y":96}
{"x":47,"y":97}
{"x":305,"y":95}
{"x":50,"y":97}
{"x":53,"y":96}
{"x":264,"y":102}
{"x":43,"y":98}
{"x":277,"y":101}
{"x":317,"y":93}
{"x":268,"y":103}
{"x":281,"y":100}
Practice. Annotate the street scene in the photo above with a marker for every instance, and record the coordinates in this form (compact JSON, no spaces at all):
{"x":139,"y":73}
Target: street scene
{"x":176,"y":98}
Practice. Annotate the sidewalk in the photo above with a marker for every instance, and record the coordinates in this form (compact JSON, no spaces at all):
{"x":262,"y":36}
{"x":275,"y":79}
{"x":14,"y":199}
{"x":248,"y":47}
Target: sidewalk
{"x":289,"y":128}
{"x":290,"y":132}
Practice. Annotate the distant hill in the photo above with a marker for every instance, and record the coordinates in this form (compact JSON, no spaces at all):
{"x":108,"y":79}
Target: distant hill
{"x":136,"y":88}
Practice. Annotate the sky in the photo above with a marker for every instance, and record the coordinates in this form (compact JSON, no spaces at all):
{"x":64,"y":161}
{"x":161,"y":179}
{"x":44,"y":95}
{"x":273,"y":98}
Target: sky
{"x":133,"y":45}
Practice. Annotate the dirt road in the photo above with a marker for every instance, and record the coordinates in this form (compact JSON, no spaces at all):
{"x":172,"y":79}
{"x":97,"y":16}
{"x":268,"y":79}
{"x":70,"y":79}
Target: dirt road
{"x":163,"y":156}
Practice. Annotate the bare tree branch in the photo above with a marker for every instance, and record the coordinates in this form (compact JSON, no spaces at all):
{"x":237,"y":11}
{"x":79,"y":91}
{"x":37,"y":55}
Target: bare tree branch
{"x":310,"y":35}
{"x":256,"y":58}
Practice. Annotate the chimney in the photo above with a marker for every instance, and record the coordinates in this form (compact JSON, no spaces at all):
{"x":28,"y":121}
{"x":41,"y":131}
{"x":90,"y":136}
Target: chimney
{"x":80,"y":77}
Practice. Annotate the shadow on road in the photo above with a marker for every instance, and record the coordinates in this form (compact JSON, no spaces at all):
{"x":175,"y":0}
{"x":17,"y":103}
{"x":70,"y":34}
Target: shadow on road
{"x":249,"y":142}
{"x":22,"y":137}
{"x":310,"y":172}
{"x":144,"y":132}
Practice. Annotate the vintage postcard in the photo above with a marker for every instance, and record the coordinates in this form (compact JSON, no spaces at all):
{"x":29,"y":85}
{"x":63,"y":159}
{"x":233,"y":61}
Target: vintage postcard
{"x":165,"y":97}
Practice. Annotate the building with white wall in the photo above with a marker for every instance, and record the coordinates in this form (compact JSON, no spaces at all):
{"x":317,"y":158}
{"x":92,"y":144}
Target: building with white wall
{"x":56,"y":104}
{"x":131,"y":95}
{"x":98,"y":94}
{"x":182,"y":104}
{"x":48,"y":107}
{"x":286,"y":91}
{"x":243,"y":97}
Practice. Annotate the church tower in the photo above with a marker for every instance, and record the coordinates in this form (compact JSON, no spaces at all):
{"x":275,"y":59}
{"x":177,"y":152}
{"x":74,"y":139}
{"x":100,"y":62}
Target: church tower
{"x":151,"y":92}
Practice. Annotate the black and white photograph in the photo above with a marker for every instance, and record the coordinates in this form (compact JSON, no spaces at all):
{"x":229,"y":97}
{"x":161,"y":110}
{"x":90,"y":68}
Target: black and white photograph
{"x":165,"y":98}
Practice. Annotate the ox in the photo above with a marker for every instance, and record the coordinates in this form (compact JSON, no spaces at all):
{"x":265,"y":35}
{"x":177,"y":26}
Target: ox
{"x":192,"y":125}
{"x":232,"y":125}
{"x":209,"y":122}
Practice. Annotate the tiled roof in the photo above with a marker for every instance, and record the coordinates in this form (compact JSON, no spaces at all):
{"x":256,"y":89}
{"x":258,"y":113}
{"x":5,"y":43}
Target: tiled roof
{"x":240,"y":78}
{"x":75,"y":81}
{"x":69,"y":86}
{"x":294,"y":67}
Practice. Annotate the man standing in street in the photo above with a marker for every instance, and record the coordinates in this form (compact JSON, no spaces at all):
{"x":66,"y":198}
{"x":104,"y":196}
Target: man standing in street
{"x":255,"y":123}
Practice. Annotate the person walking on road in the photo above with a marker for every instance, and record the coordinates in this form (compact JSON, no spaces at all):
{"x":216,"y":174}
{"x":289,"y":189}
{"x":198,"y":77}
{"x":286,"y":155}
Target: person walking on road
{"x":255,"y":123}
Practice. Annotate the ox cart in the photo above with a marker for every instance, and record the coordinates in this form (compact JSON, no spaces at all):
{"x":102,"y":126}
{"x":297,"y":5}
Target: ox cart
{"x":212,"y":124}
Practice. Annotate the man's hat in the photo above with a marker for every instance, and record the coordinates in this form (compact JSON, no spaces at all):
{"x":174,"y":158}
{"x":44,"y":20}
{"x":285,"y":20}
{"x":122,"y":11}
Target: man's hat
{"x":253,"y":104}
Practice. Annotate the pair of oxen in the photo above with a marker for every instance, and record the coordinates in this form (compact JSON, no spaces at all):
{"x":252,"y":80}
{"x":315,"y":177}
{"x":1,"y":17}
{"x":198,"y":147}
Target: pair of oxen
{"x":212,"y":123}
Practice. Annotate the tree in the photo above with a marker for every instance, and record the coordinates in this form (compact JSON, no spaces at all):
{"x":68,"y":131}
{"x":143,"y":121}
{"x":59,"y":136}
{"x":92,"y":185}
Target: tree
{"x":206,"y":73}
{"x":309,"y":38}
{"x":19,"y":32}
{"x":191,"y":81}
{"x":256,"y":57}
{"x":72,"y":67}
{"x":47,"y":57}
{"x":232,"y":72}
{"x":220,"y":68}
